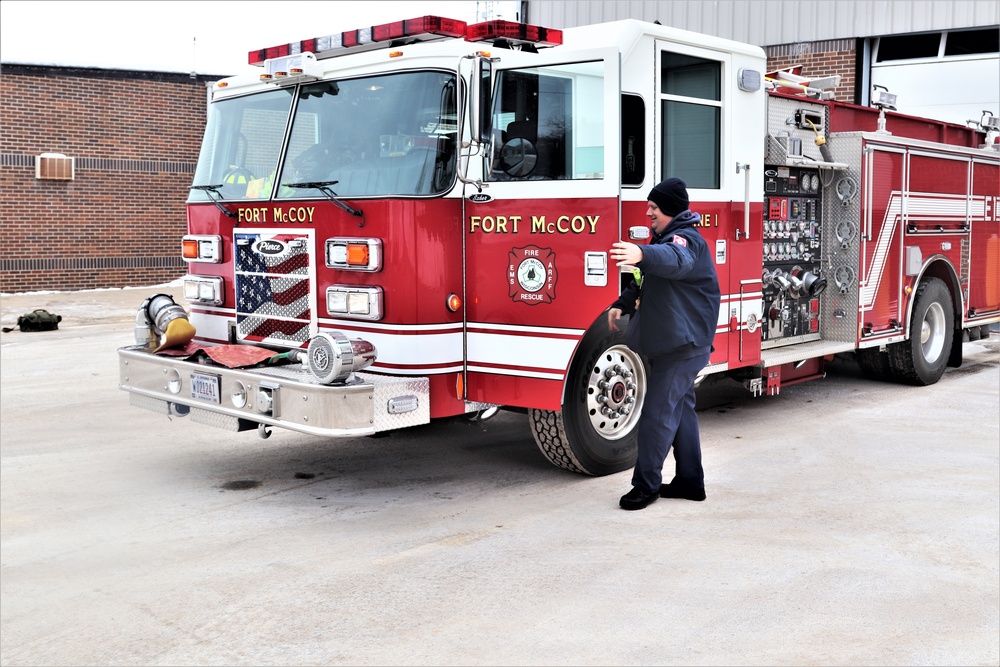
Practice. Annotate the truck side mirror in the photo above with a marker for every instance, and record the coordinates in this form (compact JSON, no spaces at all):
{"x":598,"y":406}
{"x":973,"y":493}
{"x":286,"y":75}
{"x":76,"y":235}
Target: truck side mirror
{"x":481,"y":100}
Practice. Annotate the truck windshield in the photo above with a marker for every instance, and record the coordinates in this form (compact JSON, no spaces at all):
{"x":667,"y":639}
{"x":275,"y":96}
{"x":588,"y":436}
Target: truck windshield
{"x":389,"y":135}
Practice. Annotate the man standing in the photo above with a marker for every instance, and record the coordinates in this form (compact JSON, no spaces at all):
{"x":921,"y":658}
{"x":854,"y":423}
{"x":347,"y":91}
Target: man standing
{"x":674,"y":305}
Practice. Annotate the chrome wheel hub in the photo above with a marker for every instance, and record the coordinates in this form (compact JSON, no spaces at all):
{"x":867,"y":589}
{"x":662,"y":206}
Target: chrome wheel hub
{"x":932,"y":333}
{"x":615,"y":389}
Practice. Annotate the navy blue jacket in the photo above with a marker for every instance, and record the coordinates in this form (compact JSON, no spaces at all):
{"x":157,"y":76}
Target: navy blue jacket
{"x":679,"y":297}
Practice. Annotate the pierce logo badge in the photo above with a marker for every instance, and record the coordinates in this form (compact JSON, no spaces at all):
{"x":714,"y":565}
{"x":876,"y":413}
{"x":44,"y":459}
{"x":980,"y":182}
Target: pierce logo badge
{"x":272,"y":247}
{"x":480,"y":198}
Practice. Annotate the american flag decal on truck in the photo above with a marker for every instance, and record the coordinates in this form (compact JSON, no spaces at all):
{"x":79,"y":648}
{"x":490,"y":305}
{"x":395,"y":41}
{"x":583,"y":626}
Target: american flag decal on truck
{"x":272,"y":287}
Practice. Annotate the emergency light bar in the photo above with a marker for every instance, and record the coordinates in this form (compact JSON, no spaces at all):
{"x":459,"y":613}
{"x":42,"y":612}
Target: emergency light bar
{"x":515,"y":33}
{"x":409,"y":31}
{"x":413,"y":30}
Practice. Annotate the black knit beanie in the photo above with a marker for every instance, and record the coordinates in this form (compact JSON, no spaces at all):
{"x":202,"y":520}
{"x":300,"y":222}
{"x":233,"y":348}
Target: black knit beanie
{"x":670,"y":195}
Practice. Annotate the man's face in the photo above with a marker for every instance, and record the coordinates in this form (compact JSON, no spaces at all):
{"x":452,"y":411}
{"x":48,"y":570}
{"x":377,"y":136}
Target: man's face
{"x":658,"y":220}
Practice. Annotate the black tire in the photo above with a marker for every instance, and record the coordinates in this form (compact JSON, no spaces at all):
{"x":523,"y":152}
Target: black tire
{"x":922,"y":359}
{"x":874,"y":364}
{"x":581,"y":438}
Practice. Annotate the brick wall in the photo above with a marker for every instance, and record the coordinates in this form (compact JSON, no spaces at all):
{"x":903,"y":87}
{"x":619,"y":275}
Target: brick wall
{"x":135,"y":138}
{"x":836,"y":56}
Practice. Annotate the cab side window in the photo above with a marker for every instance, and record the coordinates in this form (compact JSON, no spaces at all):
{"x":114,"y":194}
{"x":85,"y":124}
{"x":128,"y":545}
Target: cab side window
{"x":633,"y":140}
{"x":548,"y":124}
{"x":691,"y":108}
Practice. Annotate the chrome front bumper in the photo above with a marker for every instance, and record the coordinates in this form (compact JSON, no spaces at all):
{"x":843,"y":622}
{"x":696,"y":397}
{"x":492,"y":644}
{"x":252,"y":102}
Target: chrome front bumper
{"x":286,"y":396}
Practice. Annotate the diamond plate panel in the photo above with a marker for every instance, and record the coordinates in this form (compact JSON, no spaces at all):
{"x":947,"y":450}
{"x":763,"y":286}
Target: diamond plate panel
{"x":225,"y":422}
{"x":386,"y":389}
{"x":841,"y":248}
{"x":273,"y":286}
{"x":792,"y":353}
{"x":147,"y":403}
{"x":781,"y":126}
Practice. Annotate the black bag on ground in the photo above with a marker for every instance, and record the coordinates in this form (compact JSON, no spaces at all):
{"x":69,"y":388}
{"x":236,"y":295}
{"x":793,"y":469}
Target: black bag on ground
{"x":37,"y":320}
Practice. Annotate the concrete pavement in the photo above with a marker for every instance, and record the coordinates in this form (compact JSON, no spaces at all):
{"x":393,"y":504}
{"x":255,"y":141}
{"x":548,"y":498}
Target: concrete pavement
{"x":847,"y":522}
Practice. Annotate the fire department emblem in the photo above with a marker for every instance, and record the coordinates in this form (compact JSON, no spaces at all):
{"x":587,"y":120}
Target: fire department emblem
{"x":531,"y":275}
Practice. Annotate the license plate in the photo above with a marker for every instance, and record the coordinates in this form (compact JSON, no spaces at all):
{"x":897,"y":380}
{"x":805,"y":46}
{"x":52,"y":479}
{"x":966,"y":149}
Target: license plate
{"x":205,"y":387}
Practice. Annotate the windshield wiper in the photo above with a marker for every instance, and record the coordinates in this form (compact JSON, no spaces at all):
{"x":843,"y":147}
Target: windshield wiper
{"x":213,"y":191}
{"x":324,"y":187}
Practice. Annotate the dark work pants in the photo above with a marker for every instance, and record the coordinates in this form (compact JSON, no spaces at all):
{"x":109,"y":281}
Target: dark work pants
{"x":668,"y":418}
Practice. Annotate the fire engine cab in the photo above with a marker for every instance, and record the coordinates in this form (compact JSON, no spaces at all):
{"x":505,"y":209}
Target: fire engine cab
{"x":412,"y":221}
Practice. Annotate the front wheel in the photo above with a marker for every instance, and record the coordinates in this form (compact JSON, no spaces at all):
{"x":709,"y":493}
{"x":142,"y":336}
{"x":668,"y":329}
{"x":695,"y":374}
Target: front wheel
{"x":922,"y":359}
{"x":595,"y":432}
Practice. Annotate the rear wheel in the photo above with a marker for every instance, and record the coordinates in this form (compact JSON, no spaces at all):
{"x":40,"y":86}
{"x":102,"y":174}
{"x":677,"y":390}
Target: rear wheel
{"x":922,"y":359}
{"x":594,"y":433}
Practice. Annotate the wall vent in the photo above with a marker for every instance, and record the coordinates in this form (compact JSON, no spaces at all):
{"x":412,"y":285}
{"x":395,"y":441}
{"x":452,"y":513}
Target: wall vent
{"x":54,"y":167}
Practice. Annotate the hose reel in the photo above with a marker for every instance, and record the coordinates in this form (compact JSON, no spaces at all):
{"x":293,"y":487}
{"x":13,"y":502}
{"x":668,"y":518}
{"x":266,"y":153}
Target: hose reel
{"x":331,"y":356}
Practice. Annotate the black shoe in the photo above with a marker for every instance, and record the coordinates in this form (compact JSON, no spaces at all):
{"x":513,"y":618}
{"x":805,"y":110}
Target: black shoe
{"x":679,"y":488}
{"x":636,"y":499}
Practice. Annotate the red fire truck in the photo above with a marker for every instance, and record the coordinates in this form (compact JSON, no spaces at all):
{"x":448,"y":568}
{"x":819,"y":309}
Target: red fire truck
{"x":411,"y":222}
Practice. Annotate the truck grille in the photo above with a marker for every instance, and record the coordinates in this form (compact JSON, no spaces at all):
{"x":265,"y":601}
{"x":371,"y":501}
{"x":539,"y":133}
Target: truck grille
{"x":273,"y":287}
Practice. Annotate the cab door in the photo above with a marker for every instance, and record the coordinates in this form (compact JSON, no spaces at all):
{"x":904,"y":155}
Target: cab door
{"x":538,"y":235}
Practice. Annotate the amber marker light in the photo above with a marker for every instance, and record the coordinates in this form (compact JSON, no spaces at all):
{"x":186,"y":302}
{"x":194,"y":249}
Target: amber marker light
{"x":357,"y":254}
{"x":189,"y":249}
{"x":454,"y":303}
{"x":395,"y":54}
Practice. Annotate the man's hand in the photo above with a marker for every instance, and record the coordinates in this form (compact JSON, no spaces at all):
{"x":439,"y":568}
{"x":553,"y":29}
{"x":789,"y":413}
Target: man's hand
{"x":614,"y":314}
{"x":623,"y":253}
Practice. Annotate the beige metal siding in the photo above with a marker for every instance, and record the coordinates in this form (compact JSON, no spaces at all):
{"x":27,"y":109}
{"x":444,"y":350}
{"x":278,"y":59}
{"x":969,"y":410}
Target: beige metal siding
{"x":767,"y":22}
